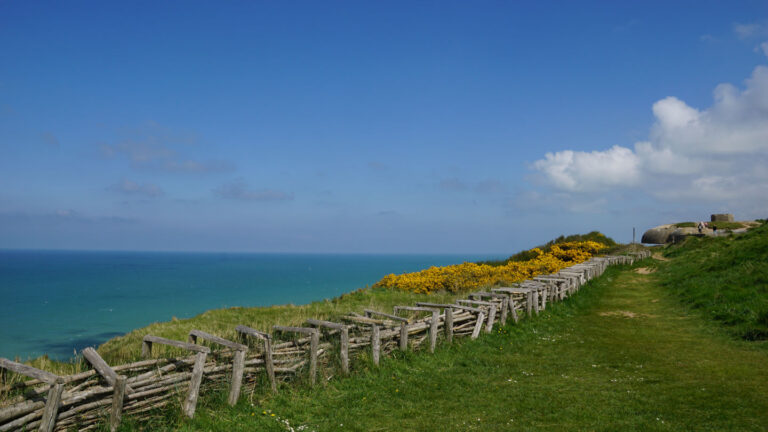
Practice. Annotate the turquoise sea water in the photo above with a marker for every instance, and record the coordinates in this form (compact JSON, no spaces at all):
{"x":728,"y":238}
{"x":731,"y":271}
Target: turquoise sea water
{"x":54,"y":302}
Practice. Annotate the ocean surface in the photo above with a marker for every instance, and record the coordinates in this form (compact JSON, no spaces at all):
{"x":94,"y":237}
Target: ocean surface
{"x":56,"y":302}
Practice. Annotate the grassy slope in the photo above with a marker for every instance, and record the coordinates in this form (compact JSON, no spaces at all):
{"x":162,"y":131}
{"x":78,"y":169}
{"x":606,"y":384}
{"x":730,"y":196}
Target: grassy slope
{"x":584,"y":364}
{"x":726,"y":278}
{"x":222,"y":322}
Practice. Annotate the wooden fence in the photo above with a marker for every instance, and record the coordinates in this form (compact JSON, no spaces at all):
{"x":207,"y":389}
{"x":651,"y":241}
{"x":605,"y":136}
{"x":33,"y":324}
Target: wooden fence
{"x":105,"y":393}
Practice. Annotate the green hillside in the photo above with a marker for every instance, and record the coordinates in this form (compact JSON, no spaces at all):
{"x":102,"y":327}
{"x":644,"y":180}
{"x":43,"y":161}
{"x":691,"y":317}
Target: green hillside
{"x":657,"y":346}
{"x":725,"y":278}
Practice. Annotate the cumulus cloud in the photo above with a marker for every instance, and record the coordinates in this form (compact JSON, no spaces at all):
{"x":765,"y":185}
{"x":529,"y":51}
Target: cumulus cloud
{"x":240,"y":190}
{"x":716,"y":153}
{"x":128,"y":187}
{"x":578,"y":171}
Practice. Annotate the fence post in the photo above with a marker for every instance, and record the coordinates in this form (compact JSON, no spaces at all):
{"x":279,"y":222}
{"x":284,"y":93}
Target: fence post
{"x":449,"y":324}
{"x":238,"y":360}
{"x":314,"y":341}
{"x":433,"y":329}
{"x":269,"y":364}
{"x":375,"y":344}
{"x":201,"y":353}
{"x":478,"y":325}
{"x":343,"y":340}
{"x":190,"y":403}
{"x":116,"y":413}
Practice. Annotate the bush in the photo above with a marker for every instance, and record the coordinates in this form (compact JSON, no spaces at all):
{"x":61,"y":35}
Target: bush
{"x":469,"y":276}
{"x":594,"y":236}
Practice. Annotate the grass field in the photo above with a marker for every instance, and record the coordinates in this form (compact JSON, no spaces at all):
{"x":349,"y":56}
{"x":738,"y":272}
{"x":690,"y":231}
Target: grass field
{"x":624,"y":354}
{"x":673,"y":343}
{"x":725,"y":278}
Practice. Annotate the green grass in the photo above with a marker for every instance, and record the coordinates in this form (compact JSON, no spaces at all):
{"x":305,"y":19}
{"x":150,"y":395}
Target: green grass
{"x":623,"y":354}
{"x":222,"y":322}
{"x":725,"y":278}
{"x":726,"y":225}
{"x":629,"y":352}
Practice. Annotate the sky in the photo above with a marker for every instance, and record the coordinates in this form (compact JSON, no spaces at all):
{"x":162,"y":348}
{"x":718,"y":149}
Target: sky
{"x":375,"y":127}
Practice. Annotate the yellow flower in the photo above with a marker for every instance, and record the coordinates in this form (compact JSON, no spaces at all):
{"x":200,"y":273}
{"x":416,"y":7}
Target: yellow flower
{"x":469,"y":276}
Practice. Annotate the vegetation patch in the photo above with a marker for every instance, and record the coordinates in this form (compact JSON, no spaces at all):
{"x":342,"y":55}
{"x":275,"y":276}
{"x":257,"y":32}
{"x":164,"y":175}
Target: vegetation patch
{"x":576,"y":366}
{"x":470,"y":276}
{"x":726,"y":278}
{"x":726,"y":225}
{"x":594,"y":236}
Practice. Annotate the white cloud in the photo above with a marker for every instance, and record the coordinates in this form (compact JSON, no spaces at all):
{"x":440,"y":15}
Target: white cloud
{"x":717,"y":153}
{"x":580,"y":171}
{"x":764,"y":48}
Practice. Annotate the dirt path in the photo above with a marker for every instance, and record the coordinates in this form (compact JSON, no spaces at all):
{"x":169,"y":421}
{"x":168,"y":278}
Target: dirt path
{"x":658,"y":256}
{"x":677,"y":358}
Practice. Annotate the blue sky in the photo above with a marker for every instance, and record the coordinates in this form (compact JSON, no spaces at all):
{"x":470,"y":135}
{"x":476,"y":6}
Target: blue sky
{"x":469,"y":127}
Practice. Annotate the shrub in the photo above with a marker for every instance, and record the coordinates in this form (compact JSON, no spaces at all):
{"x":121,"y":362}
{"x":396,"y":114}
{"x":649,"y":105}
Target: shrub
{"x":469,"y":276}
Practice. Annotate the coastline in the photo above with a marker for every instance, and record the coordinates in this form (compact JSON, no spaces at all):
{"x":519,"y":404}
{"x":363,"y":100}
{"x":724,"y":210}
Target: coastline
{"x":65,"y":301}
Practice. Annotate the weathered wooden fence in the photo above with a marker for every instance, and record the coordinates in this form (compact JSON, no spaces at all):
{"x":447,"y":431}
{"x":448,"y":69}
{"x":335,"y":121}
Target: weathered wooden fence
{"x":105,"y":393}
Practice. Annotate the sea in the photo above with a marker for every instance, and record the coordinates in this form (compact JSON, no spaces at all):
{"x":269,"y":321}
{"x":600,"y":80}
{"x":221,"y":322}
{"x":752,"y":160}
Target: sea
{"x":59,"y":302}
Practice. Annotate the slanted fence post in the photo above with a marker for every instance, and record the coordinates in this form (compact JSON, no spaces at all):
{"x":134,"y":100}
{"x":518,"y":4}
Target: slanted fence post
{"x":113,"y":379}
{"x":269,"y":364}
{"x":238,"y":360}
{"x":478,"y":325}
{"x":190,"y":403}
{"x":118,"y":394}
{"x":201,"y":353}
{"x":238,"y":368}
{"x":52,"y":403}
{"x":491,"y":311}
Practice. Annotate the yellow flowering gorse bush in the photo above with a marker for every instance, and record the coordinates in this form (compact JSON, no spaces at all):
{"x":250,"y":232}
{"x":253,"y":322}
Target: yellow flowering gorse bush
{"x":469,"y":276}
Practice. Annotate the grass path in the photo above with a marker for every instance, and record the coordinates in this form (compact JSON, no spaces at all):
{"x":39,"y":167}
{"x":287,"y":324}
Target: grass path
{"x":621,"y":355}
